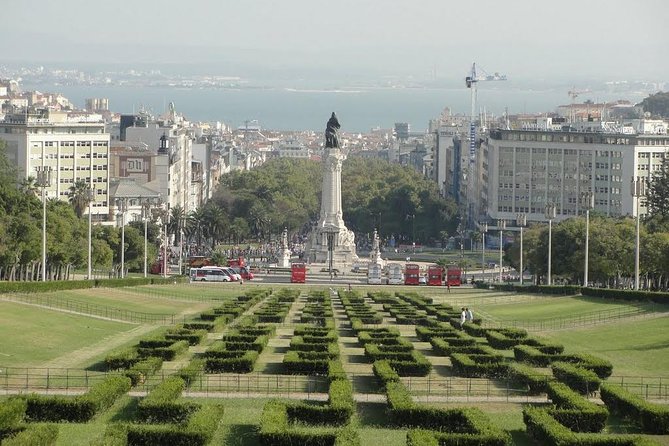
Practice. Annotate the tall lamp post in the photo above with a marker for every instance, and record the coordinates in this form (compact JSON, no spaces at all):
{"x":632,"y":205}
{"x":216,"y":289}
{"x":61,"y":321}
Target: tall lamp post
{"x":588,"y":203}
{"x":521,"y":221}
{"x":146,"y":213}
{"x":122,"y":204}
{"x":43,"y":181}
{"x":91,"y":198}
{"x":484,"y":229}
{"x":550,"y":214}
{"x":638,"y":189}
{"x":330,"y":232}
{"x":502,"y":226}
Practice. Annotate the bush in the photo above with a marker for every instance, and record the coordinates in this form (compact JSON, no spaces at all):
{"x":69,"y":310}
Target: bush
{"x":192,"y":371}
{"x":531,"y":355}
{"x":385,"y":373}
{"x":160,"y":406}
{"x":579,"y":379}
{"x":652,"y":418}
{"x":574,"y":411}
{"x":528,"y":376}
{"x":197,"y":432}
{"x":474,"y":366}
{"x":630,"y":295}
{"x":601,"y":367}
{"x":122,"y":359}
{"x":12,"y":413}
{"x":165,"y":353}
{"x":35,"y":435}
{"x":294,"y":364}
{"x":239,"y":364}
{"x":77,"y":409}
{"x":147,"y":367}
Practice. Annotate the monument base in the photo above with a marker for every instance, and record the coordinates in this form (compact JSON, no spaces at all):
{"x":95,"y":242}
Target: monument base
{"x":343,"y":246}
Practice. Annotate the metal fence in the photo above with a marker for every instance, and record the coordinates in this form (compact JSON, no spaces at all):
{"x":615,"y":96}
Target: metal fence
{"x":76,"y":381}
{"x":581,"y":320}
{"x":89,"y":309}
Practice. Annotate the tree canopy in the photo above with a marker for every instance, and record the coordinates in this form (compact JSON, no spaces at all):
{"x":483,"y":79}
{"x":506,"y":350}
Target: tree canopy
{"x":657,"y":105}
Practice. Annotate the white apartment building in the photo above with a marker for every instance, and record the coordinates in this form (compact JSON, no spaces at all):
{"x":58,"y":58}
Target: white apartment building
{"x":529,"y":169}
{"x":73,"y":150}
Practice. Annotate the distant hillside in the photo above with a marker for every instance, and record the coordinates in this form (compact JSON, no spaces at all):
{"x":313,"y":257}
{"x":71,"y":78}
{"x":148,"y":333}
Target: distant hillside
{"x":657,"y":105}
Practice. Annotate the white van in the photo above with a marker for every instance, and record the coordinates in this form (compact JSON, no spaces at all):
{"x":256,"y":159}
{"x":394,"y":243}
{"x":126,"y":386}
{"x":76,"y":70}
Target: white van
{"x":209,"y":274}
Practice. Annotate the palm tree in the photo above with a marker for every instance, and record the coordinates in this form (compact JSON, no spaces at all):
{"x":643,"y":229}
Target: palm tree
{"x":79,"y":196}
{"x":215,"y":223}
{"x":195,"y":225}
{"x":29,"y":185}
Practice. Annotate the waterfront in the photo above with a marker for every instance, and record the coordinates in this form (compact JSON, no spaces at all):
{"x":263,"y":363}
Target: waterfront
{"x":359,"y":109}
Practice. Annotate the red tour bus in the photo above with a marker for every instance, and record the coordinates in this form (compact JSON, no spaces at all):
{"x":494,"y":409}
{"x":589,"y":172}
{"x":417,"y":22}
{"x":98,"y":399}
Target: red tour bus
{"x":453,"y":276}
{"x":411,"y":274}
{"x":435,"y":275}
{"x":298,"y":272}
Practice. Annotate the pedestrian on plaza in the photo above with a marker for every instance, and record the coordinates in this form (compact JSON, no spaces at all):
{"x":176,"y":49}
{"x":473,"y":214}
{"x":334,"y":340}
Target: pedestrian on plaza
{"x":469,"y":316}
{"x":448,"y":286}
{"x":463,"y":317}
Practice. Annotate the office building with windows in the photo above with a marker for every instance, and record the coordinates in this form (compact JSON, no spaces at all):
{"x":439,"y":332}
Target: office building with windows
{"x":546,"y":164}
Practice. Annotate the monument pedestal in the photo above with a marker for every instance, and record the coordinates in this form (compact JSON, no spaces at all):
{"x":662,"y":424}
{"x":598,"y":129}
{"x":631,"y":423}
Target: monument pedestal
{"x":331,"y":222}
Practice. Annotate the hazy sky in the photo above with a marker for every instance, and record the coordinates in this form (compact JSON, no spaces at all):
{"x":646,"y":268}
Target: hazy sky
{"x":525,"y":39}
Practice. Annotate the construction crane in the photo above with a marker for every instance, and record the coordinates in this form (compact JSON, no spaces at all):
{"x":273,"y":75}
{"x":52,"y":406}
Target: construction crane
{"x":573,"y":94}
{"x":471,"y":81}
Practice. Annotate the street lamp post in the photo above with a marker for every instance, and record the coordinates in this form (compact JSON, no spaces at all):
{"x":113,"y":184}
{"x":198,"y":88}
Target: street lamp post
{"x":91,"y":198}
{"x":638,"y":189}
{"x":484,"y":229}
{"x":122,"y":204}
{"x":588,"y":203}
{"x":146,"y":212}
{"x":502,"y":226}
{"x":330,"y":232}
{"x":43,"y":181}
{"x":550,"y":214}
{"x":521,"y":221}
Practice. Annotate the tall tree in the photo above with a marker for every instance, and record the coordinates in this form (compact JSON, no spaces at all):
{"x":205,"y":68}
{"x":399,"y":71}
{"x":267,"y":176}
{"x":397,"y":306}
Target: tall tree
{"x":658,"y":193}
{"x":79,"y":196}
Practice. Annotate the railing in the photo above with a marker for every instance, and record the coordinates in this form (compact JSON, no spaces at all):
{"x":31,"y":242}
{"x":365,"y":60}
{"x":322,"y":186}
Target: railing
{"x":88,"y":309}
{"x":584,"y":319}
{"x":76,"y":381}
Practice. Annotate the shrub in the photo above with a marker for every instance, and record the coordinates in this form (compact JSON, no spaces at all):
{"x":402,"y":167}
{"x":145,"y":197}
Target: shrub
{"x":384,"y":372}
{"x":579,"y":379}
{"x":531,"y":355}
{"x":192,"y":371}
{"x":35,"y":435}
{"x":197,"y":432}
{"x":239,"y":364}
{"x":122,"y":359}
{"x":574,"y":411}
{"x":601,"y":367}
{"x":12,"y":413}
{"x":653,"y":418}
{"x":160,"y":406}
{"x":472,"y":366}
{"x":165,"y":353}
{"x":147,"y":367}
{"x":528,"y":376}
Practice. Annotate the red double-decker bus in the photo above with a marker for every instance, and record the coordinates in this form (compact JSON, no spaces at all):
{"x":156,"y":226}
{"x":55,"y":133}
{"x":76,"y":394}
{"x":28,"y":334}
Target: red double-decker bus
{"x":454,"y":276}
{"x":412,"y":274}
{"x":435,"y":275}
{"x":298,"y":272}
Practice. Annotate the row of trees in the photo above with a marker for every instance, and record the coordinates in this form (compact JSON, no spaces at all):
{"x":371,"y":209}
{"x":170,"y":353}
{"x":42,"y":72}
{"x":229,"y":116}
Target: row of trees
{"x":611,"y":252}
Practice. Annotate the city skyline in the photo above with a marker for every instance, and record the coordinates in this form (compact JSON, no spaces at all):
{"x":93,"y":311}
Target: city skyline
{"x":348,"y":40}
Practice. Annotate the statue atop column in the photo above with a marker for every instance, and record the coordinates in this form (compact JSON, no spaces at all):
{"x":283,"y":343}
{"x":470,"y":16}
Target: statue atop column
{"x":284,"y":258}
{"x":332,"y":132}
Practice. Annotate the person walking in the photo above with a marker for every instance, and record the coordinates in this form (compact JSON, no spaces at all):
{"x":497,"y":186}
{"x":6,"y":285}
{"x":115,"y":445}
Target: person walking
{"x":469,"y":316}
{"x":463,"y":317}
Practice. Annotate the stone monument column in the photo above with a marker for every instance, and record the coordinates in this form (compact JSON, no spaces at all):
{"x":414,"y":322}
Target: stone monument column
{"x":331,"y":219}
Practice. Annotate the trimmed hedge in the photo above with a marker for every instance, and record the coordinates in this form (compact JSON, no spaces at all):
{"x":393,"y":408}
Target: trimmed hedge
{"x":80,"y":408}
{"x":530,"y":377}
{"x":476,"y":366}
{"x":239,"y":364}
{"x":385,"y":373}
{"x":602,"y":367}
{"x":275,"y":430}
{"x":547,"y":431}
{"x":631,"y":295}
{"x":122,"y":359}
{"x":174,"y":349}
{"x":147,"y":367}
{"x":197,"y":432}
{"x":159,"y":406}
{"x":12,"y":413}
{"x":192,"y":371}
{"x":35,"y":435}
{"x":652,"y":418}
{"x":579,"y":379}
{"x":574,"y":411}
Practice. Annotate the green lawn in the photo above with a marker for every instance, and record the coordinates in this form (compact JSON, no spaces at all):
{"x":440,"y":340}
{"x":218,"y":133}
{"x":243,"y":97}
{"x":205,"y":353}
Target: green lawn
{"x":33,"y":335}
{"x":636,"y":348}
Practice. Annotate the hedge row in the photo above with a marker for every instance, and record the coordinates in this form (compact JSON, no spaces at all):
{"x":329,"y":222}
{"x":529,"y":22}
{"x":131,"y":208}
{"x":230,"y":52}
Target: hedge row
{"x":77,"y":409}
{"x":160,"y":405}
{"x":337,"y":411}
{"x":546,"y":430}
{"x":357,"y":308}
{"x":524,"y":375}
{"x":535,"y":356}
{"x":165,"y":353}
{"x":574,"y":411}
{"x":240,"y":362}
{"x":143,"y":369}
{"x":39,"y":434}
{"x":652,"y":418}
{"x":60,"y":285}
{"x":632,"y":295}
{"x":12,"y":413}
{"x":578,"y":378}
{"x":198,"y":431}
{"x":475,"y":365}
{"x":276,"y":430}
{"x":457,"y":426}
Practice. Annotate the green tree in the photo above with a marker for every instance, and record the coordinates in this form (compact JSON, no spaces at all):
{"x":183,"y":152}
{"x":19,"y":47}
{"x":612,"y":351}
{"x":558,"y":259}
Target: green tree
{"x":79,"y":196}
